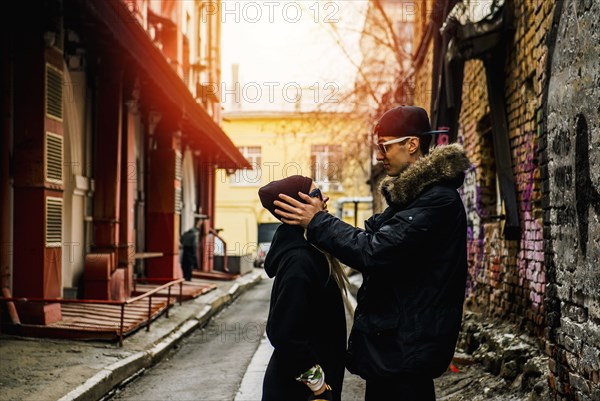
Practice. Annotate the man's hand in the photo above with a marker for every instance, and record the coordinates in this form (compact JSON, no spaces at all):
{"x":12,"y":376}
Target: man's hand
{"x":297,"y":213}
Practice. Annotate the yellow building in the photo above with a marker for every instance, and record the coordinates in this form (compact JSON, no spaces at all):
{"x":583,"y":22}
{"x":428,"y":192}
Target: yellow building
{"x":330,"y":148}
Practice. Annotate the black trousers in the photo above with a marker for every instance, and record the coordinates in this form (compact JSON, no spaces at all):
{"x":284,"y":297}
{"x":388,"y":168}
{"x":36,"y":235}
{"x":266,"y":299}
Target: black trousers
{"x":400,"y":389}
{"x":188,"y":262}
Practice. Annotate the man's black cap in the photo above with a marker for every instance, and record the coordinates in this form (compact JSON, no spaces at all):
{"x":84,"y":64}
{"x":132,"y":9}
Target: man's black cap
{"x":404,"y":121}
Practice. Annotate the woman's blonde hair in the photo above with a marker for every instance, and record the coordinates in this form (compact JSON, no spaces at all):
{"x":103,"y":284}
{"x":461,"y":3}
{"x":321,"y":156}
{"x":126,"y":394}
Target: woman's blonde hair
{"x":336,"y":270}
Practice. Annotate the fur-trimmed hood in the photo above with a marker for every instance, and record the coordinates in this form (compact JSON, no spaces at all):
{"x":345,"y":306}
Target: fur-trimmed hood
{"x":445,"y":165}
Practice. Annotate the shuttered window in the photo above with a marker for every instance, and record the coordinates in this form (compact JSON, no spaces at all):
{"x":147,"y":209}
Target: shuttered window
{"x":179,"y":177}
{"x":54,"y":210}
{"x":54,"y":93}
{"x":178,"y":166}
{"x":54,"y":157}
{"x":178,"y":200}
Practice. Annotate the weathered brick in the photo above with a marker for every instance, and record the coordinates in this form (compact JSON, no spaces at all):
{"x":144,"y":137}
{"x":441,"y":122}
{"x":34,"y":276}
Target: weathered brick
{"x":579,"y":383}
{"x":590,"y":358}
{"x":595,"y":393}
{"x":576,"y":313}
{"x":572,"y":345}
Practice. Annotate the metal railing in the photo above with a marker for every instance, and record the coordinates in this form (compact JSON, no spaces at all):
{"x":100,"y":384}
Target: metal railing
{"x":122,"y":304}
{"x":210,"y":238}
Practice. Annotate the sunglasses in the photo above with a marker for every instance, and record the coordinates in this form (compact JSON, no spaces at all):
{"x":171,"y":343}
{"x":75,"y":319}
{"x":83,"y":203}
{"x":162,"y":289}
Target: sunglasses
{"x":316,"y":193}
{"x":382,"y":147}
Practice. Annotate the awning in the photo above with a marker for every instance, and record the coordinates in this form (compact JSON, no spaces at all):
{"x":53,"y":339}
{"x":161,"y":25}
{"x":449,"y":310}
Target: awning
{"x":132,"y":37}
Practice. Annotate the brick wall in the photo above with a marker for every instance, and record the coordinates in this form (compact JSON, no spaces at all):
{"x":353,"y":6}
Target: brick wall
{"x":548,"y":281}
{"x":570,"y":155}
{"x":422,"y":80}
{"x":507,"y":278}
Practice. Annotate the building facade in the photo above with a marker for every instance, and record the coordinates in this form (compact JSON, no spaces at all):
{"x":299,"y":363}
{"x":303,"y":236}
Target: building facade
{"x":109,"y":145}
{"x":279,"y":145}
{"x":513,"y":80}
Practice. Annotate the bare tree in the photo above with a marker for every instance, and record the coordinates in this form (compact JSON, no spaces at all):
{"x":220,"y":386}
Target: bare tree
{"x":383,"y":80}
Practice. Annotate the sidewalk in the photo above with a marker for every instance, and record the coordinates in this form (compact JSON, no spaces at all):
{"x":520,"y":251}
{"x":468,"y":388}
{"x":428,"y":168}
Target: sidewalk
{"x":50,"y":370}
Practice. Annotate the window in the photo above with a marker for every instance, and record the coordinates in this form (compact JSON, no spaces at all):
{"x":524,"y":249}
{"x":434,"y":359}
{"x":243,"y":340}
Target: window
{"x":325,"y":165}
{"x":249,"y":177}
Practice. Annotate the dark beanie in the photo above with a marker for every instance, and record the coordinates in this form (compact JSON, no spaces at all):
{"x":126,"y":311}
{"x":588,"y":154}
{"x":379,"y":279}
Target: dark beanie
{"x":289,"y":186}
{"x":404,"y":121}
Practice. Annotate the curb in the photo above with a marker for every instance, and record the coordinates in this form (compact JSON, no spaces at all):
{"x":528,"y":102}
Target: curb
{"x":108,"y":379}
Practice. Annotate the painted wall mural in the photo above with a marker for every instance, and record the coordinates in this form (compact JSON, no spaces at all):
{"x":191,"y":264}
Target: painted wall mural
{"x":530,"y":260}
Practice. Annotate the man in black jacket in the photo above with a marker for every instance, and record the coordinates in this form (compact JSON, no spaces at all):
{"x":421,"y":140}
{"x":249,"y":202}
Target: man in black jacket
{"x":189,"y":249}
{"x":413,"y":258}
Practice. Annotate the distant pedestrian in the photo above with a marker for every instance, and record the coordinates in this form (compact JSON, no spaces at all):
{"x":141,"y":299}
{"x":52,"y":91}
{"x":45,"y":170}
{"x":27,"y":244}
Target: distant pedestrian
{"x":413,"y":258}
{"x":307,"y":320}
{"x":189,"y":250}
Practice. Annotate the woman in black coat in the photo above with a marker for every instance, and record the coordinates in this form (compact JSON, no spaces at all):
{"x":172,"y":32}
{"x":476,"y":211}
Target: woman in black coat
{"x":306,"y":323}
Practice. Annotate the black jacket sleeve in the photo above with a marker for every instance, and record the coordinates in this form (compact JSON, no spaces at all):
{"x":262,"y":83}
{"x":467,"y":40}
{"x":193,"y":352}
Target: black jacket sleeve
{"x":290,"y":319}
{"x":366,"y":250}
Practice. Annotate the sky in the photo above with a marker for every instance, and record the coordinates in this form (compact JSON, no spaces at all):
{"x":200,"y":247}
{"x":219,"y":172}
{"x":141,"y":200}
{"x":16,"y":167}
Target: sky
{"x":282,"y":46}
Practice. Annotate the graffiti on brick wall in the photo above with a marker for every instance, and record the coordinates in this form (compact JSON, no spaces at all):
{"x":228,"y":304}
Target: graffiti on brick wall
{"x":572,"y":206}
{"x":471,"y":199}
{"x":494,"y":253}
{"x":563,"y":181}
{"x":587,"y":197}
{"x":530,"y":260}
{"x":489,"y":258}
{"x":585,"y":193}
{"x":575,"y":202}
{"x":471,"y":195}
